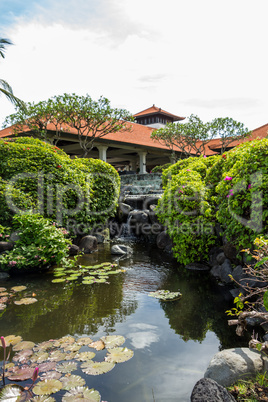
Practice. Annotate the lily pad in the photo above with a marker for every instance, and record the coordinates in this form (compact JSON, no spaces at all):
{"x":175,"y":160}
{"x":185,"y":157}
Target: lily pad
{"x":43,"y":346}
{"x":3,"y":306}
{"x":98,"y":345}
{"x":18,"y":288}
{"x":119,"y":355}
{"x":72,"y":348}
{"x":84,"y":356}
{"x":165,"y":295}
{"x":47,"y":387}
{"x":44,"y":367}
{"x":84,"y":340}
{"x":112,"y":341}
{"x":66,"y":367}
{"x":79,"y":394}
{"x":10,"y":393}
{"x":23,"y":345}
{"x":58,"y":280}
{"x":96,"y":368}
{"x":21,"y":373}
{"x":3,"y":289}
{"x":12,"y":340}
{"x":39,"y":357}
{"x":23,"y":356}
{"x":4,"y":294}
{"x":72,"y":381}
{"x":26,"y":300}
{"x":43,"y":398}
{"x":51,"y":375}
{"x":56,"y":356}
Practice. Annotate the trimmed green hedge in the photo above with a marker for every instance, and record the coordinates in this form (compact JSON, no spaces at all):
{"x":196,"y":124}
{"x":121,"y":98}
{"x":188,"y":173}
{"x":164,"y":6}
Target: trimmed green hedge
{"x":230,"y":190}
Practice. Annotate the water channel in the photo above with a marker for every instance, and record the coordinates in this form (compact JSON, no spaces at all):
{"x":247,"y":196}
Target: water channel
{"x":173,"y":341}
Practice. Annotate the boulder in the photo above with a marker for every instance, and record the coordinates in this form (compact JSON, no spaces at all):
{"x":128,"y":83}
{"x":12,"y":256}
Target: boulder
{"x":5,"y":246}
{"x":139,"y":216}
{"x":121,"y":249}
{"x":225,"y":271}
{"x":88,"y":244}
{"x":73,"y":250}
{"x":197,"y":266}
{"x":209,"y":390}
{"x":230,"y":365}
{"x":4,"y":276}
{"x":14,"y":237}
{"x":163,"y":241}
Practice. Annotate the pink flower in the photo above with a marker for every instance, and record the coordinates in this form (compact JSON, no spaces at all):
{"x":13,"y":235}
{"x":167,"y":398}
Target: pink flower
{"x":205,"y":156}
{"x":1,"y":235}
{"x":227,"y":178}
{"x":249,"y":186}
{"x":188,"y":170}
{"x":12,"y":263}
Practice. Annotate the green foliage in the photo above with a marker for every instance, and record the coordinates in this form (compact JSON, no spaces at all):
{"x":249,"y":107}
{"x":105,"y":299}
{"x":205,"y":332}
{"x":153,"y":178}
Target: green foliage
{"x":242,"y":193}
{"x":105,"y":186}
{"x":40,"y":244}
{"x":160,"y":168}
{"x":187,"y":213}
{"x":41,"y":178}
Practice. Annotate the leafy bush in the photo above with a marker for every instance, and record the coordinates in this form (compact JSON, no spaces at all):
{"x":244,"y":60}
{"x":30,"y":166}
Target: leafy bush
{"x":40,"y":244}
{"x":242,"y":193}
{"x":55,"y":185}
{"x":160,"y":168}
{"x":186,"y":212}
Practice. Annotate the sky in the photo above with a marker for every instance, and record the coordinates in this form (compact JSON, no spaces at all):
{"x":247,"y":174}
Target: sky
{"x":186,"y":56}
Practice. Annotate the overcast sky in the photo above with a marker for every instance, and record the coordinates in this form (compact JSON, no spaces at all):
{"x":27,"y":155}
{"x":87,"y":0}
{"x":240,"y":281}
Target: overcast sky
{"x":206,"y":57}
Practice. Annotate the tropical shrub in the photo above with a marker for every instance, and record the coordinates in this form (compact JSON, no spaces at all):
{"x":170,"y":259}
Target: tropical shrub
{"x":40,"y":244}
{"x":186,"y":212}
{"x":242,"y":194}
{"x":160,"y":168}
{"x":59,"y":188}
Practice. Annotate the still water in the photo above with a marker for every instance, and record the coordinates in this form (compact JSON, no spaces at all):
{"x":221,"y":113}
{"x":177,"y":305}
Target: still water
{"x":173,"y":341}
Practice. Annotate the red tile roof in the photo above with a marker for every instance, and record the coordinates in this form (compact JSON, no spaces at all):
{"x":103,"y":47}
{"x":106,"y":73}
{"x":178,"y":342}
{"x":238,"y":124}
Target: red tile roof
{"x":154,"y":110}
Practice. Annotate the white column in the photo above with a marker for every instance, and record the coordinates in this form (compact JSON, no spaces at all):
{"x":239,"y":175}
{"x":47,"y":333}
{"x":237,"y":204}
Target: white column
{"x":142,"y":156}
{"x":102,"y":152}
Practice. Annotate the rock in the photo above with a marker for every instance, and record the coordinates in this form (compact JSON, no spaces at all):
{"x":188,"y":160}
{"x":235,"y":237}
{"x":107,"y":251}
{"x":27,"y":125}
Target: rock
{"x":197,"y":266}
{"x":73,"y":250}
{"x":209,"y":390}
{"x":4,"y":276}
{"x":88,"y":244}
{"x":231,"y":365}
{"x":214,"y":252}
{"x":238,"y":273}
{"x":123,"y":211}
{"x":220,"y":258}
{"x":225,"y":271}
{"x":163,"y":240}
{"x":139,"y":216}
{"x":231,"y":252}
{"x":121,"y":249}
{"x":5,"y":246}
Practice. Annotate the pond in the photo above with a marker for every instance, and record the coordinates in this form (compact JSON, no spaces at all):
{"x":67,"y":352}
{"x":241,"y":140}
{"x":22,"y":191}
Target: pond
{"x":172,"y":341}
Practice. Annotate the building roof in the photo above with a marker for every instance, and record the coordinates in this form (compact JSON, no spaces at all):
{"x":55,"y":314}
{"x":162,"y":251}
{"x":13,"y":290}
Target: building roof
{"x":156,"y":110}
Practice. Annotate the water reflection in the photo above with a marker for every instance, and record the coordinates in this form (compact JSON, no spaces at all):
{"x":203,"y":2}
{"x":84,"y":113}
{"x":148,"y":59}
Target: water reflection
{"x":172,"y":341}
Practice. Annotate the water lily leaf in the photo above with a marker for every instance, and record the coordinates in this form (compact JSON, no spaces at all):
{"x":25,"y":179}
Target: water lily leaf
{"x":66,"y":367}
{"x":12,"y":340}
{"x":3,"y":306}
{"x":18,"y":288}
{"x":24,"y":345}
{"x":72,"y":348}
{"x":64,"y":340}
{"x":23,"y":356}
{"x":21,"y":373}
{"x":84,"y":356}
{"x":98,"y":345}
{"x":9,"y":365}
{"x":71,"y":278}
{"x":39,"y":357}
{"x":26,"y":300}
{"x":43,"y":398}
{"x":10,"y":393}
{"x":100,"y":280}
{"x":84,"y":340}
{"x":3,"y":289}
{"x":43,"y":346}
{"x":4,"y":294}
{"x":96,"y":368}
{"x":70,"y":355}
{"x":58,"y":280}
{"x":82,"y":394}
{"x":88,"y":282}
{"x":72,"y":381}
{"x":56,"y":356}
{"x":165,"y":295}
{"x":44,"y":367}
{"x":119,"y":355}
{"x":51,"y":375}
{"x":47,"y":387}
{"x":111,"y":341}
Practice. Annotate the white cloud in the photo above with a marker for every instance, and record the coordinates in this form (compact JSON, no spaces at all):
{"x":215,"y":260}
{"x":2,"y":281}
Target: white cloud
{"x":205,"y":58}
